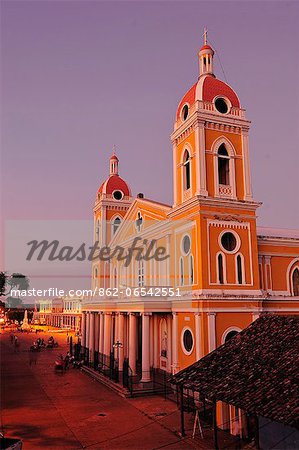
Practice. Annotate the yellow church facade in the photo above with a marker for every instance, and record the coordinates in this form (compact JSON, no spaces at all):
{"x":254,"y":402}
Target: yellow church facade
{"x":214,"y":271}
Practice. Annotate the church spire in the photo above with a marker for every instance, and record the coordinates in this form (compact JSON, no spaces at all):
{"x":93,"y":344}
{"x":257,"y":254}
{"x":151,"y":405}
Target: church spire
{"x":205,"y":56}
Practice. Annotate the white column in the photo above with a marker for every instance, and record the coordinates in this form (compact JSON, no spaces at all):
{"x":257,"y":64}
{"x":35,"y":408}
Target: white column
{"x":91,"y":336}
{"x":168,"y":278}
{"x":121,"y":324}
{"x":212,"y":331}
{"x":101,"y":333}
{"x":268,"y":273}
{"x":198,"y":336}
{"x":200,"y":147}
{"x":169,"y":334}
{"x":107,"y":333}
{"x":175,"y":173}
{"x":115,"y":337}
{"x":83,"y":329}
{"x":146,"y":375}
{"x":246,"y":165}
{"x":132,"y":342}
{"x":96,"y":331}
{"x":87,"y":329}
{"x":255,"y":315}
{"x":104,"y":225}
{"x":152,"y":364}
{"x":174,"y":342}
{"x":156,"y":349}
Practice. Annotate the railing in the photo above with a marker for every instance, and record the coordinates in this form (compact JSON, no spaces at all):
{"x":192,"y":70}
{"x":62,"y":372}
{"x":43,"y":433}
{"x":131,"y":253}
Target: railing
{"x":110,"y":197}
{"x":157,"y":379}
{"x":162,"y":385}
{"x":225,"y":190}
{"x":209,"y":106}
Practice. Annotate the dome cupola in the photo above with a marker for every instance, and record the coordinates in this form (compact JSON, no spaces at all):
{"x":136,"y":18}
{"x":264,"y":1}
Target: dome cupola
{"x":114,"y":187}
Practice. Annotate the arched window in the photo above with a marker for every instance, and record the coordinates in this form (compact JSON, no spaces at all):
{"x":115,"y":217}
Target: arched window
{"x":139,"y":222}
{"x":140,"y":273}
{"x":223,"y":166}
{"x":230,"y":335}
{"x":115,"y":224}
{"x":220,"y":269}
{"x":181,"y":272}
{"x":191,"y":270}
{"x":187,"y":171}
{"x":97,"y":234}
{"x":123,"y":276}
{"x":106,"y":274}
{"x":114,"y":277}
{"x":95,"y":277}
{"x":163,"y":337}
{"x":239,"y":269}
{"x":295,"y":282}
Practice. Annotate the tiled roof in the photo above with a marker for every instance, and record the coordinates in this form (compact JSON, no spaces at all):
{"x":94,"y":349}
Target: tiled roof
{"x":256,"y":370}
{"x":212,"y":87}
{"x":114,"y":182}
{"x":189,"y":98}
{"x":277,"y":233}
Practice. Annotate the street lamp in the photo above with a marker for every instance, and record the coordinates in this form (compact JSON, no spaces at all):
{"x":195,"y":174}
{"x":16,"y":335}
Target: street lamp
{"x":117,"y":345}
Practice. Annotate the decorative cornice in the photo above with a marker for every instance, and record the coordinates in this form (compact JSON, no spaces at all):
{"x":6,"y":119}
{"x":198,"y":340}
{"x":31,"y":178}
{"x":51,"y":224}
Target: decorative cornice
{"x":199,"y":200}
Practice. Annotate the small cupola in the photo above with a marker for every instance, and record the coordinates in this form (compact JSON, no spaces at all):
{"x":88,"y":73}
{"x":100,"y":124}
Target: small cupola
{"x":205,"y":56}
{"x":114,"y":164}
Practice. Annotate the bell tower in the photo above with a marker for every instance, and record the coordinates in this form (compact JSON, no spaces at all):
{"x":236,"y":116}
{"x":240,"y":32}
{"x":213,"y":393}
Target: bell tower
{"x":210,"y":139}
{"x":211,"y":174}
{"x":113,"y":199}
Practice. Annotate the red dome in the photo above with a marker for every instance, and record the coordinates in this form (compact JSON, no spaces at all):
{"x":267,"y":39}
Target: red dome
{"x":206,"y":89}
{"x":114,"y":183}
{"x":189,"y":98}
{"x":114,"y":158}
{"x":206,"y":47}
{"x":213,"y":87}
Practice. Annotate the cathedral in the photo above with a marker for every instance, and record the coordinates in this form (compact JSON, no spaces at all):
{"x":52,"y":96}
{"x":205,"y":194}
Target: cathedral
{"x":221,"y":271}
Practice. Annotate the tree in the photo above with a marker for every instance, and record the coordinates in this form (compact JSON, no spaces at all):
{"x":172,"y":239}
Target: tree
{"x":14,"y":281}
{"x":2,"y":283}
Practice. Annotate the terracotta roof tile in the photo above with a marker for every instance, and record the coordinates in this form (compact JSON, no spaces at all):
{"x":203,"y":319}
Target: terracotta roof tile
{"x":256,"y":370}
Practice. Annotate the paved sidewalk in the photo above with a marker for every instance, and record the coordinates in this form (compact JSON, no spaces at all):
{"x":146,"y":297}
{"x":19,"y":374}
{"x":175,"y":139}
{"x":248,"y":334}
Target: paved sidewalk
{"x":71,"y":411}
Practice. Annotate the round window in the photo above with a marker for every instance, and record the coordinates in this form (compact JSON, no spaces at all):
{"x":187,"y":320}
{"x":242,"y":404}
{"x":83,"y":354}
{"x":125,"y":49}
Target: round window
{"x":185,"y":112}
{"x":230,"y":335}
{"x":229,"y":241}
{"x":118,"y":195}
{"x":221,"y":105}
{"x":186,"y":244}
{"x":188,"y":341}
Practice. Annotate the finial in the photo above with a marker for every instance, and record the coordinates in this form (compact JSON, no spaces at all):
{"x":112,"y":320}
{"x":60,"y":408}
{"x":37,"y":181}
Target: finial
{"x":114,"y":149}
{"x":205,"y":36}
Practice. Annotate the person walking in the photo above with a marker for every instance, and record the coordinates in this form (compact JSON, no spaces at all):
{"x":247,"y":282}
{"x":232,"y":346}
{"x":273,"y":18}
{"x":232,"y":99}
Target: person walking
{"x":16,"y":344}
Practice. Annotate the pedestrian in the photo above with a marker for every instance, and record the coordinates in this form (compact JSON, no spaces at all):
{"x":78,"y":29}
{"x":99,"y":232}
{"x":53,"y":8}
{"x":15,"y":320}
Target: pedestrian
{"x":17,"y":344}
{"x":66,"y":361}
{"x":33,"y":358}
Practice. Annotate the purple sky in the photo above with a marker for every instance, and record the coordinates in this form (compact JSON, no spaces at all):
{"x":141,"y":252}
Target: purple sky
{"x":78,"y":77}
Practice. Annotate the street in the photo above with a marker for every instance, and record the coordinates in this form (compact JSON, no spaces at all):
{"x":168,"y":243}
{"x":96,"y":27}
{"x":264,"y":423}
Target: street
{"x":70,"y":410}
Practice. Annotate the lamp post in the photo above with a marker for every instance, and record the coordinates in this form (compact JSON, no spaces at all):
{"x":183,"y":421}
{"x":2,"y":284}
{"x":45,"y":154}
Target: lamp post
{"x":117,"y":345}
